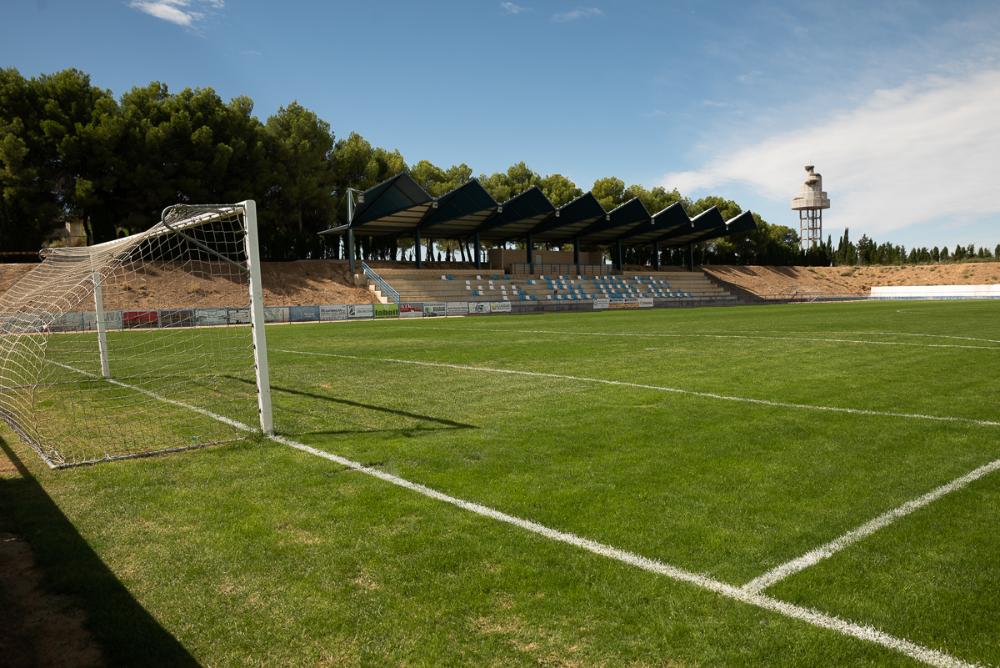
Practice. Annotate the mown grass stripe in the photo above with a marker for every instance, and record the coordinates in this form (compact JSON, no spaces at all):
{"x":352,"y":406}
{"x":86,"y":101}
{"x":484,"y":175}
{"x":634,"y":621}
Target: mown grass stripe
{"x":657,"y":388}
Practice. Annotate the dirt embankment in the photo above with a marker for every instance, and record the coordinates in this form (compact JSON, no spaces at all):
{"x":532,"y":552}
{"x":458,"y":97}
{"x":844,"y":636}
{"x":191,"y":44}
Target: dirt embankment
{"x":847,"y":281}
{"x":300,"y":283}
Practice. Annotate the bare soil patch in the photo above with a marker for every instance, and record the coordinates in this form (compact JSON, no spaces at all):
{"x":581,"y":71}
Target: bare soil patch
{"x":38,"y":628}
{"x":851,"y":281}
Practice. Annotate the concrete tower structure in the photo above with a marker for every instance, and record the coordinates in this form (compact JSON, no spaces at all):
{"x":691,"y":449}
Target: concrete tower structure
{"x":810,"y":203}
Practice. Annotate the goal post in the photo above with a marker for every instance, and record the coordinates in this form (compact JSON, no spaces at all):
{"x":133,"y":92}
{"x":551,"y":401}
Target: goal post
{"x":102,"y":328}
{"x":149,"y":343}
{"x":257,"y":318}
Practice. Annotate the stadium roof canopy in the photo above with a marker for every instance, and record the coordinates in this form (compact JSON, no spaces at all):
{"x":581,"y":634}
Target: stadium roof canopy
{"x":395,"y":206}
{"x":400,"y":207}
{"x":519,"y":215}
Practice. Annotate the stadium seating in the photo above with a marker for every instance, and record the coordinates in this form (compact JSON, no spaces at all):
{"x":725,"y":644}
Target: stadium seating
{"x":470,"y":285}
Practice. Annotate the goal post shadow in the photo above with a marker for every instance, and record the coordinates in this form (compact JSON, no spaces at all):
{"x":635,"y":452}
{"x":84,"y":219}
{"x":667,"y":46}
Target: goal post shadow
{"x":125,"y":632}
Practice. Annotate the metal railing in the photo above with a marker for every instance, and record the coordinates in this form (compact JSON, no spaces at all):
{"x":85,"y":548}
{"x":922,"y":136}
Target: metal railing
{"x":387,"y":290}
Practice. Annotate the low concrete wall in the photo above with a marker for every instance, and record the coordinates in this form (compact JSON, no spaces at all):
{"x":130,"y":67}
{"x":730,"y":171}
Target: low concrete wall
{"x":935,"y":292}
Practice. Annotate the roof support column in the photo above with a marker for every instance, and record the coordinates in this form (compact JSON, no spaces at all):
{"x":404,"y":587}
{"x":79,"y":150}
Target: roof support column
{"x":576,"y":254}
{"x":416,"y":246}
{"x":620,"y":255}
{"x":690,"y":257}
{"x":531,"y":254}
{"x":656,"y":255}
{"x":350,"y":230}
{"x":350,"y":248}
{"x":477,"y":249}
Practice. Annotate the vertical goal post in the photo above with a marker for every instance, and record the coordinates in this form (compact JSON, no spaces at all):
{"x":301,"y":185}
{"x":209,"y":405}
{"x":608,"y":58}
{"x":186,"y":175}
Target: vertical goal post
{"x":136,"y":346}
{"x":257,"y":319}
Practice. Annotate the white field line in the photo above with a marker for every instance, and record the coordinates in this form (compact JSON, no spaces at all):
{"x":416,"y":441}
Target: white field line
{"x":880,"y":333}
{"x":658,"y":388}
{"x":817,"y":555}
{"x":686,"y":335}
{"x":816,"y":618}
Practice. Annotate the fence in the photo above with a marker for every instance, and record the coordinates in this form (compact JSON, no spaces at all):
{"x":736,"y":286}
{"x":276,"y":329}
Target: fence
{"x":86,"y":321}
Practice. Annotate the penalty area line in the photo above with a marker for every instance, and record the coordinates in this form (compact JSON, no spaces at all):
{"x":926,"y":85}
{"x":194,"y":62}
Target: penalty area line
{"x":658,"y":388}
{"x":810,"y":616}
{"x":827,"y":550}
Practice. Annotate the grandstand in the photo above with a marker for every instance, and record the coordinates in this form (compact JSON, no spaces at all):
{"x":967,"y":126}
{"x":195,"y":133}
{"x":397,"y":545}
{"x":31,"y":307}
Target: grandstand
{"x":524,"y":268}
{"x":665,"y":288}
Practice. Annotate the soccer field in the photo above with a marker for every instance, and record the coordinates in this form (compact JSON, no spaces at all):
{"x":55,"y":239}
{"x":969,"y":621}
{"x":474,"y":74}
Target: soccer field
{"x":813,"y":484}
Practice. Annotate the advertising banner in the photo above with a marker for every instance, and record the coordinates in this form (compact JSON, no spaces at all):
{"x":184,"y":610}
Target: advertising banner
{"x":411,"y":311}
{"x":359,"y":311}
{"x":207,"y":316}
{"x":239,"y":316}
{"x":303,"y":313}
{"x":458,"y":308}
{"x":384,"y":310}
{"x":600,"y":304}
{"x":275,"y":314}
{"x":177,"y":317}
{"x":143,"y":319}
{"x":112,"y":320}
{"x":331,"y":312}
{"x":479,"y":307}
{"x":67,"y":322}
{"x":500,"y":307}
{"x":645,"y":302}
{"x":435,"y":309}
{"x":627,"y":303}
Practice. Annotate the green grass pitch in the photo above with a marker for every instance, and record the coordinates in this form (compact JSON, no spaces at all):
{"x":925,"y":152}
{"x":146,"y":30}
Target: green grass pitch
{"x":254,"y":553}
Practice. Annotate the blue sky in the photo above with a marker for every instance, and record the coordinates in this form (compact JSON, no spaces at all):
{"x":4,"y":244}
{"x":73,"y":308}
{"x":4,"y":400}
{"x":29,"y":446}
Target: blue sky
{"x":897,"y":103}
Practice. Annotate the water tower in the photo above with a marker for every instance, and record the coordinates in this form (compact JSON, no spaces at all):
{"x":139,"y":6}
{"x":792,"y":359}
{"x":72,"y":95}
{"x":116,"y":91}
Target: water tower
{"x":810,"y":203}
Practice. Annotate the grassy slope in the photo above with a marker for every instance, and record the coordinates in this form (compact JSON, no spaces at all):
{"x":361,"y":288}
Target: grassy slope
{"x":258,"y":554}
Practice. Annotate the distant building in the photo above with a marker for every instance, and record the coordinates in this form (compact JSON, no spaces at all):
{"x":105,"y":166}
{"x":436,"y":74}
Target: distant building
{"x":76,"y":232}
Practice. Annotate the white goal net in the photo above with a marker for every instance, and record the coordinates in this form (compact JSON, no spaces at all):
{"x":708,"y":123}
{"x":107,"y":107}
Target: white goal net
{"x":141,"y":345}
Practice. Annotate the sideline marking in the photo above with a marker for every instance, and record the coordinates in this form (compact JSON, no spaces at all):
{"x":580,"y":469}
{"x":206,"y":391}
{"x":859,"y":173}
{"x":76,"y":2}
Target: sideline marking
{"x":816,"y":618}
{"x":659,"y":388}
{"x":880,"y":333}
{"x":826,"y":550}
{"x":685,"y":335}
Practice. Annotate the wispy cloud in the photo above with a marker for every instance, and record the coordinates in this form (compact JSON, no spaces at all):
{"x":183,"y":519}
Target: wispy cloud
{"x":186,"y":13}
{"x":577,"y":14}
{"x":917,"y":153}
{"x":512,"y":8}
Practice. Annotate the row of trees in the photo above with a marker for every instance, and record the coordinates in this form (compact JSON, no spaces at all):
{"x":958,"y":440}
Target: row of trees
{"x":868,"y":251}
{"x":69,"y":149}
